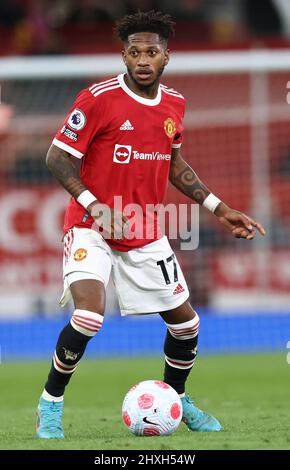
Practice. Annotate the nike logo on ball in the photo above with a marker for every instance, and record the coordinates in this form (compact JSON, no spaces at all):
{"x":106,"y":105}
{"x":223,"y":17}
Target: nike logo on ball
{"x":149,"y":422}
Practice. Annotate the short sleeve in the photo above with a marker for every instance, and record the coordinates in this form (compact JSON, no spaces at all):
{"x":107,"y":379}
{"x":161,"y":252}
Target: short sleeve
{"x":82,"y":124}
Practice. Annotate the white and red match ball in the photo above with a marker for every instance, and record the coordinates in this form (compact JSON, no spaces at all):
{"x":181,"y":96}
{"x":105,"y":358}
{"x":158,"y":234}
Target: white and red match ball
{"x":152,"y":408}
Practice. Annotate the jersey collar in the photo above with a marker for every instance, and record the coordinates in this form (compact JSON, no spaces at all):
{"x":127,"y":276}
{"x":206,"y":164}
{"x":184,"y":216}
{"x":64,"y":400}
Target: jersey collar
{"x":140,"y":99}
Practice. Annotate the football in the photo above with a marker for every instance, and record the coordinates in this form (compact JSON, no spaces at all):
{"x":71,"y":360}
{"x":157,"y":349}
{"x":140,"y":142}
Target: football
{"x":152,"y":408}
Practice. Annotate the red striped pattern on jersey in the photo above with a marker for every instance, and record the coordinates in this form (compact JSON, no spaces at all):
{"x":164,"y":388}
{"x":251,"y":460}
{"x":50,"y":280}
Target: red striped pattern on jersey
{"x":171,"y":91}
{"x":103,"y":83}
{"x":179,"y":364}
{"x":85,"y":322}
{"x":107,"y":85}
{"x":185,"y":330}
{"x":61,"y":367}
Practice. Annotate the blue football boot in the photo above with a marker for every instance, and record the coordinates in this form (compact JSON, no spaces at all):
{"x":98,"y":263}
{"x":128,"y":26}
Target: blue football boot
{"x":49,"y":414}
{"x":197,"y":420}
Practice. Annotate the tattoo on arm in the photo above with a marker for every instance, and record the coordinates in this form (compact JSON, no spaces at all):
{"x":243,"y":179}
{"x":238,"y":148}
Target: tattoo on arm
{"x":65,"y":171}
{"x":186,"y":180}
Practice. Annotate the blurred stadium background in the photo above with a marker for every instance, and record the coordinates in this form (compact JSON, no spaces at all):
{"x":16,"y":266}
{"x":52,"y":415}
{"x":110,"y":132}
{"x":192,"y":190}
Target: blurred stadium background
{"x":232,"y":64}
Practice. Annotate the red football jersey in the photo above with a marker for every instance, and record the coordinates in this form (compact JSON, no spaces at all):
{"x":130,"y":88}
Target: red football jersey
{"x":125,"y":142}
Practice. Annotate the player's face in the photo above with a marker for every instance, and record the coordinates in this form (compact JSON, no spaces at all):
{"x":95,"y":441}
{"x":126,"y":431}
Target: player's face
{"x":145,"y":56}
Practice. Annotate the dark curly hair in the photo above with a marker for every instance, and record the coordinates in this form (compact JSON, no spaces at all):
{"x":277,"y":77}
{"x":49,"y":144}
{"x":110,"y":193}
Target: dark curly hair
{"x":150,"y":21}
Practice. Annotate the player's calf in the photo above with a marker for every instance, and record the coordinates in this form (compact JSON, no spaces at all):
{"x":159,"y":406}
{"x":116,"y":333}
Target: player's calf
{"x":70,"y":347}
{"x":180,"y":350}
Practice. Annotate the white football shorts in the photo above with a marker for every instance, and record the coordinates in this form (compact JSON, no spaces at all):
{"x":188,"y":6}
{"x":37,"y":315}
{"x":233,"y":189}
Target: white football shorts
{"x":147,"y":279}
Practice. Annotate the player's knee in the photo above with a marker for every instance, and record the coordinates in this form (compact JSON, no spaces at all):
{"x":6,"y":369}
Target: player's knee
{"x":86,"y":322}
{"x":91,"y":306}
{"x":89,"y":294}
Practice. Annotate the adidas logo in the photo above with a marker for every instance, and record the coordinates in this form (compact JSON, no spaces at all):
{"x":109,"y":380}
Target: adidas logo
{"x":127,"y":126}
{"x":178,"y":289}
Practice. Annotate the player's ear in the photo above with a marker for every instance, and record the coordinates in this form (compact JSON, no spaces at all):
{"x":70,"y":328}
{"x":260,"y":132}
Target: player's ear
{"x":167,"y":56}
{"x":124,"y":57}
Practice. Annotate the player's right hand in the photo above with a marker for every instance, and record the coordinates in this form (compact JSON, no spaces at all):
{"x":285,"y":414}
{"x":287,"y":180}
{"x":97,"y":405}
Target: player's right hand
{"x":111,"y":223}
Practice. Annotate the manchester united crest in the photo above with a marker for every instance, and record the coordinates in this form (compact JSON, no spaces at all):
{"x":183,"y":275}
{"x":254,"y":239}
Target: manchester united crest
{"x":169,"y":127}
{"x":80,"y":254}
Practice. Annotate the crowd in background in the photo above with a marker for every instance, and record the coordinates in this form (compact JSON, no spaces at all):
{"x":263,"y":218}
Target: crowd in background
{"x":31,"y":110}
{"x":51,"y":26}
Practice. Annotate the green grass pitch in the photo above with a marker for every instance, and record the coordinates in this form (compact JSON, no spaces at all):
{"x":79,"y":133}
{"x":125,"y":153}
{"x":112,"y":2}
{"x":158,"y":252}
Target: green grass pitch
{"x":248,"y":393}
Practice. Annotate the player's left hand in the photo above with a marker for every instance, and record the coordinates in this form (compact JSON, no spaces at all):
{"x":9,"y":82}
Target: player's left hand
{"x":241,"y":225}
